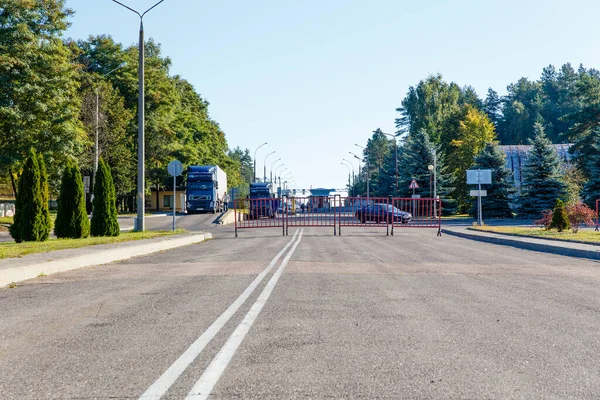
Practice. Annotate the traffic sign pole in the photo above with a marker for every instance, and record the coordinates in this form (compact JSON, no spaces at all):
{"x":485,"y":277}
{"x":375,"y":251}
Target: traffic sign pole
{"x":175,"y":169}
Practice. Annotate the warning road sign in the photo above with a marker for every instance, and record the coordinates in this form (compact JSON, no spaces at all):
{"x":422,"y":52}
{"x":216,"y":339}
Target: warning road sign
{"x":413,"y":185}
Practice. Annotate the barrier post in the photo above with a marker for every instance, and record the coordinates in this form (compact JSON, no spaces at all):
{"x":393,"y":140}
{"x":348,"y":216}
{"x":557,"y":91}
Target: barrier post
{"x":597,"y":214}
{"x":439,"y":201}
{"x":235,"y":216}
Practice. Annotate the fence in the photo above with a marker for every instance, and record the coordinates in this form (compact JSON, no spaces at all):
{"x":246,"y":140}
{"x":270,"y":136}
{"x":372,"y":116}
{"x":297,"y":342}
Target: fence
{"x":314,"y":211}
{"x":337,"y":212}
{"x":258,"y":213}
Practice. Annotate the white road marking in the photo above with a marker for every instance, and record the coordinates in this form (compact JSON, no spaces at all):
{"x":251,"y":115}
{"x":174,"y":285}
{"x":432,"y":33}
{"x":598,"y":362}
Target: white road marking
{"x":166,"y":380}
{"x":212,"y":374}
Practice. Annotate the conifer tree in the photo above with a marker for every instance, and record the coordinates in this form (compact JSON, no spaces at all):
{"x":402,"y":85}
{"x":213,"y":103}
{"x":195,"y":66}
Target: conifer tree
{"x":413,"y":161}
{"x":542,"y":181}
{"x":72,"y":220}
{"x":104,"y":212}
{"x":29,"y":221}
{"x":45,"y":195}
{"x":495,"y":204}
{"x":591,"y":189}
{"x":560,"y":220}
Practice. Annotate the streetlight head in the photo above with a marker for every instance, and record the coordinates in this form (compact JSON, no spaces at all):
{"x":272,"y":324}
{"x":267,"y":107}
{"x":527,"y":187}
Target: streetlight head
{"x":123,"y":64}
{"x":430,"y":168}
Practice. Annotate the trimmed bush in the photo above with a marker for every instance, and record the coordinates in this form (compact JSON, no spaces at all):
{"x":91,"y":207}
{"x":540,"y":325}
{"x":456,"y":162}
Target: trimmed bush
{"x":30,"y":221}
{"x":72,"y":220}
{"x":104,"y":212}
{"x":560,"y":219}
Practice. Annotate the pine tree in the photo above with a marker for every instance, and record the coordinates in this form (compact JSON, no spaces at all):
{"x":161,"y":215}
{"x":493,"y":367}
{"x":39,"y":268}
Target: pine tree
{"x":495,"y":204}
{"x":542,"y":181}
{"x":29,"y":220}
{"x":45,"y":195}
{"x":591,"y":189}
{"x":560,"y":220}
{"x":72,"y":220}
{"x":413,"y":161}
{"x":104,"y":214}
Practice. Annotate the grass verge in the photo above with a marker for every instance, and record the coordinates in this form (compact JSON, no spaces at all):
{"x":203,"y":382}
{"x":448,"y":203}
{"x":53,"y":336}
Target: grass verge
{"x":581,"y":236}
{"x":10,"y":250}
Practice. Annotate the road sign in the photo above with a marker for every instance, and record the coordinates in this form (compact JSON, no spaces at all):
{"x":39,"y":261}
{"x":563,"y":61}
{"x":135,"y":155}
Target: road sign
{"x":413,"y":184}
{"x":475,"y":192}
{"x":479,"y":176}
{"x":175,"y":168}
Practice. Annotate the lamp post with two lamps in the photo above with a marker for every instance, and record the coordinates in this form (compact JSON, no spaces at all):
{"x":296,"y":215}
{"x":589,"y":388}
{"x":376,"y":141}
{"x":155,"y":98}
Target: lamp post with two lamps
{"x":141,"y":195}
{"x":254,"y":174}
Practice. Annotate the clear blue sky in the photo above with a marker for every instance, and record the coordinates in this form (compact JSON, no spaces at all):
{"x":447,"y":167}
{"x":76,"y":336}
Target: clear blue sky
{"x":314,"y":77}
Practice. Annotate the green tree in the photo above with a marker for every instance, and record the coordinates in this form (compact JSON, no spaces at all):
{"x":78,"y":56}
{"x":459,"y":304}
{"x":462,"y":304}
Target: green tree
{"x":45,"y":195}
{"x":475,"y":132}
{"x":542,"y":180}
{"x":591,"y":188}
{"x":104,"y":215}
{"x":72,"y":220}
{"x":560,"y":219}
{"x":37,"y":82}
{"x":30,"y":222}
{"x":496,"y":203}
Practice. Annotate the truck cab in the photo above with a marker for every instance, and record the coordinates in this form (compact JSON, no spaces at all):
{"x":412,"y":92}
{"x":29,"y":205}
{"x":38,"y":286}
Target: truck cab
{"x":262,"y":204}
{"x":205,"y":189}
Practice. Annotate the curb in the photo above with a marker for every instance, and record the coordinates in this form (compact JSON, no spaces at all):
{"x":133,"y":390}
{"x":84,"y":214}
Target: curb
{"x":543,"y":248}
{"x":100,"y":257}
{"x":225,"y":218}
{"x":535,"y":237}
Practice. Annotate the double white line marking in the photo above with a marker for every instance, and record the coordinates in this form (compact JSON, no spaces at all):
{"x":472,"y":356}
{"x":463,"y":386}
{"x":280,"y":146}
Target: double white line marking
{"x":211,"y":375}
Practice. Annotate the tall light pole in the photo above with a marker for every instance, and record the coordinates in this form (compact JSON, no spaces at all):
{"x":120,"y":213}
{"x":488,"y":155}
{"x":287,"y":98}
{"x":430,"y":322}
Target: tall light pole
{"x":254,"y":175}
{"x":396,"y":154}
{"x":352,"y":165}
{"x":274,"y":162}
{"x":349,"y":187}
{"x":96,"y":146}
{"x":265,"y":166}
{"x":141,"y":148}
{"x":366,"y":161}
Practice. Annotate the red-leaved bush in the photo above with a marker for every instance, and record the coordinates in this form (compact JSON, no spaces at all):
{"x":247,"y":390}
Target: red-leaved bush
{"x":545,"y":219}
{"x":579,"y":214}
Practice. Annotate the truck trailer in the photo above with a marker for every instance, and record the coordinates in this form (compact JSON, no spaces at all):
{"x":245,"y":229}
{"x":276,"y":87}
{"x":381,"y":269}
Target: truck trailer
{"x":205,"y":189}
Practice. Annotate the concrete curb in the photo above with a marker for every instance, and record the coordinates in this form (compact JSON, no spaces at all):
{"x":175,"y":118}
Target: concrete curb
{"x":226,"y":218}
{"x":100,"y":257}
{"x":544,"y":248}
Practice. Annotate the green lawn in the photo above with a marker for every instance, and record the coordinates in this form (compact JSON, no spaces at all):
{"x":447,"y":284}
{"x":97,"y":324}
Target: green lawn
{"x":6,"y":220}
{"x":585,"y":236}
{"x":10,"y":250}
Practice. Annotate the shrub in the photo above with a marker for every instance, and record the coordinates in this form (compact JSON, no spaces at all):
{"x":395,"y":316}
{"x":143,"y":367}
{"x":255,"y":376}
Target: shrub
{"x":545,"y":219}
{"x":104,"y":212}
{"x":560,"y":219}
{"x":45,"y":196}
{"x":30,"y":222}
{"x":580,"y":214}
{"x":72,"y":220}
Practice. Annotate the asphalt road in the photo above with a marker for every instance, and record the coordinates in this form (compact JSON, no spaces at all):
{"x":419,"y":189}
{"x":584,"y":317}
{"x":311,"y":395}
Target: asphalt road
{"x":358,"y":316}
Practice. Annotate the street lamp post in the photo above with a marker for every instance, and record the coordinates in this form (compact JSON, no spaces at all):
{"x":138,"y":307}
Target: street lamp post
{"x":349,"y":187}
{"x":96,"y":145}
{"x":395,"y":155}
{"x":254,"y":174}
{"x":274,"y":162}
{"x":366,"y":161}
{"x":265,"y":166}
{"x":141,"y":148}
{"x":353,"y":176}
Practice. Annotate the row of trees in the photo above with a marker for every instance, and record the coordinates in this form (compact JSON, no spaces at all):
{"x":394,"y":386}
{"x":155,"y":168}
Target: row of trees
{"x":463,"y":131}
{"x":50,"y":88}
{"x":32,"y":220}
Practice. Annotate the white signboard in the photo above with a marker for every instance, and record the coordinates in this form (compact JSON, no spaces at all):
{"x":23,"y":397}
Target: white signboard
{"x":479,"y":176}
{"x":476,"y":193}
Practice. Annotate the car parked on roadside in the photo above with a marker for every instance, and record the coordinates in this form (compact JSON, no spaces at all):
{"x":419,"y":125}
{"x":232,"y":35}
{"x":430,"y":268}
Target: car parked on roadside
{"x":380,"y":212}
